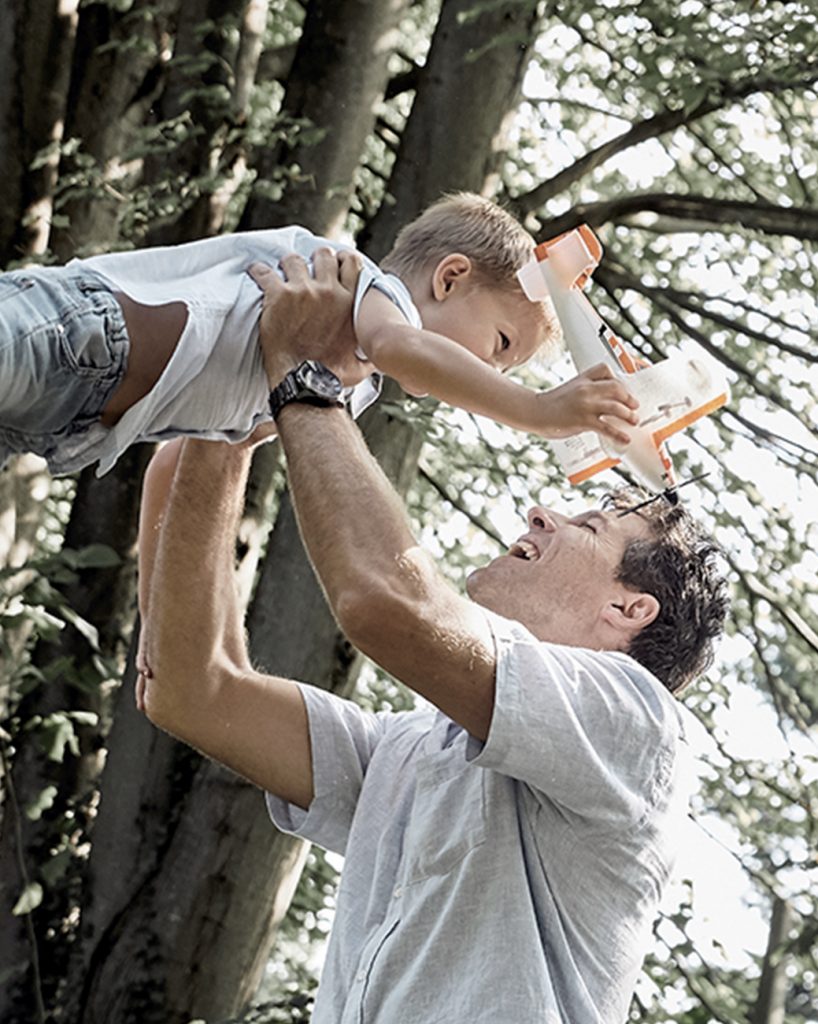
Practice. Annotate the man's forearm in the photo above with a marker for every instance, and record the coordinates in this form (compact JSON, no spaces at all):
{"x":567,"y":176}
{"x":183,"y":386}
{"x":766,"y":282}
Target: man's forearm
{"x":194,"y":617}
{"x":353,"y":523}
{"x":385,"y":590}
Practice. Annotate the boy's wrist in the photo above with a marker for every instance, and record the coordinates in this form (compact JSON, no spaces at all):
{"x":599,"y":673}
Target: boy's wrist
{"x":531,"y":411}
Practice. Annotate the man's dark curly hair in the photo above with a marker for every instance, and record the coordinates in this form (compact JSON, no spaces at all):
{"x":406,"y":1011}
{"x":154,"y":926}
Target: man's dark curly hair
{"x":678,"y":564}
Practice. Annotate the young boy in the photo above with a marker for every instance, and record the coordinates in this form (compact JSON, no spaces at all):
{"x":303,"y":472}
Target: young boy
{"x":158,"y":343}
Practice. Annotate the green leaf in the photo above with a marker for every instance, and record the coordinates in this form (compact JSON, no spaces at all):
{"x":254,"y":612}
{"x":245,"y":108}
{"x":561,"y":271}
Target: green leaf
{"x":82,"y":626}
{"x":30,"y":898}
{"x":54,"y":733}
{"x":54,"y":869}
{"x":97,"y":556}
{"x":41,"y":803}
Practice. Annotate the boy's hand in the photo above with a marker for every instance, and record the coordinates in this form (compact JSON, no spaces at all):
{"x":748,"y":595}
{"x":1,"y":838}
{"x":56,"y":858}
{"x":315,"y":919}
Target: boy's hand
{"x":310,"y":317}
{"x":593,"y":400}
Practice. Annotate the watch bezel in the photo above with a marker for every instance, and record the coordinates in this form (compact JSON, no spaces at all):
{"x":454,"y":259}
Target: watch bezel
{"x":310,"y":382}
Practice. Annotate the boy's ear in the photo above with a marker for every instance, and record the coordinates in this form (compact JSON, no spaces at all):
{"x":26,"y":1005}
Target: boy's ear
{"x":450,"y":273}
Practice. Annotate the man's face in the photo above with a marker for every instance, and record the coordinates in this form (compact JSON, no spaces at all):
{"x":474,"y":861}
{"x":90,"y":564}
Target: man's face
{"x":559,"y":578}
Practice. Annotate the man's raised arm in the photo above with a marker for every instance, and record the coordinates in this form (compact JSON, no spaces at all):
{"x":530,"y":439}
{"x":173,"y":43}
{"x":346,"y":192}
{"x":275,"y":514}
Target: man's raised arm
{"x":201,"y":686}
{"x":384,"y":589}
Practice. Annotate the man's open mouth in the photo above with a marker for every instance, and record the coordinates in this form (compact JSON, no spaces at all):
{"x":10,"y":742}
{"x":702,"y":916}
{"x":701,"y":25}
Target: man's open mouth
{"x":524,"y":549}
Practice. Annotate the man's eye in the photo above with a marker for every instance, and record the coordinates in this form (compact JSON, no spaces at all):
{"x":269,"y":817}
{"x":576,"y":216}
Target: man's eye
{"x":588,"y":525}
{"x":505,"y":343}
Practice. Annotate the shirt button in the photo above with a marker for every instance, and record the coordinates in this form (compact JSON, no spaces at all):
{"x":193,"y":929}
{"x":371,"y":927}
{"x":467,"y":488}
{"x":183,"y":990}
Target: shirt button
{"x":361,"y":976}
{"x":397,"y":893}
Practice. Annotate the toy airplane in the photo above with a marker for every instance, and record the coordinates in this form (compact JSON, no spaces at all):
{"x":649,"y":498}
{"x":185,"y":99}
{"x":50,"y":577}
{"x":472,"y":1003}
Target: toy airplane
{"x":672,"y":393}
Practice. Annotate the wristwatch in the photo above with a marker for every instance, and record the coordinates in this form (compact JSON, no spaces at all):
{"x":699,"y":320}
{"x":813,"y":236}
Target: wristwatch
{"x":310,"y":382}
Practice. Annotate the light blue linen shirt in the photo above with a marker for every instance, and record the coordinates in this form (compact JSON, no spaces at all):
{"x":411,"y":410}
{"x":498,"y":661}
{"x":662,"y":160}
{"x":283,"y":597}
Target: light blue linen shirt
{"x":513,"y":880}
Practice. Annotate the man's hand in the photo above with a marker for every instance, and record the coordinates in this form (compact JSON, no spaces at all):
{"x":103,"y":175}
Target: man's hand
{"x":310,"y":317}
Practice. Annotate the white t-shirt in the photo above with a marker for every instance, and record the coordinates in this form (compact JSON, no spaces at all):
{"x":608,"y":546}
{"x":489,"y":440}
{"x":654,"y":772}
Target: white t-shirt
{"x":214,"y":385}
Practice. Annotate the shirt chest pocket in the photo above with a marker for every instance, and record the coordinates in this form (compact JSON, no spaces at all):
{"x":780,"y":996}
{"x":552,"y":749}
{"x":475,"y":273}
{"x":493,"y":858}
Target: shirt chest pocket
{"x":448,"y":817}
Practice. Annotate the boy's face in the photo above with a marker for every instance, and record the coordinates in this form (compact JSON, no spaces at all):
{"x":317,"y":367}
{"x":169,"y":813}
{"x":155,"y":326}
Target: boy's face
{"x":500,"y":326}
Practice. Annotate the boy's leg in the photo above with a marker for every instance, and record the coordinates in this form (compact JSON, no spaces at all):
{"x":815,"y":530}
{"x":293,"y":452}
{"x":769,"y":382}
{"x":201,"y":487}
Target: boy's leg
{"x":63,"y":350}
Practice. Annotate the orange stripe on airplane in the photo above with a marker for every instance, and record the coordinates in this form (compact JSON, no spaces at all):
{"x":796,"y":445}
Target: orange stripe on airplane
{"x":688,"y":418}
{"x":585,"y":474}
{"x":592,"y":243}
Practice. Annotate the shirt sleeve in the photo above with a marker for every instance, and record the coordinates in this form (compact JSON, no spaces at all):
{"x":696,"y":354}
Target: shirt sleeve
{"x":343,"y":738}
{"x":592,"y":731}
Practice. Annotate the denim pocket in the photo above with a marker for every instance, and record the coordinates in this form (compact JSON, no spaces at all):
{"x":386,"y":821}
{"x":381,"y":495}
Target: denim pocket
{"x":85,"y":335}
{"x":13,"y":283}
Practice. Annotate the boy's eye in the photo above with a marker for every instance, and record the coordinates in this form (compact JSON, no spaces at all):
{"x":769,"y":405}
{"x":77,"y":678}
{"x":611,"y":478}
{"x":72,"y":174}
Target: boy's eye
{"x":505,"y":343}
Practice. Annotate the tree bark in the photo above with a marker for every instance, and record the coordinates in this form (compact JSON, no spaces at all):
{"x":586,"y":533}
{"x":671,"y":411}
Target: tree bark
{"x":191,"y":173}
{"x":36,"y":44}
{"x":771,"y":1002}
{"x":103,"y":512}
{"x":119,"y":58}
{"x":455,"y":136}
{"x":338,"y":75}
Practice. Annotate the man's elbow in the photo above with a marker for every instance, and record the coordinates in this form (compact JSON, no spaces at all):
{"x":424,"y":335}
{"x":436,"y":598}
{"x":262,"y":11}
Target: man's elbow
{"x":181,"y":674}
{"x":379,"y":614}
{"x":161,"y":702}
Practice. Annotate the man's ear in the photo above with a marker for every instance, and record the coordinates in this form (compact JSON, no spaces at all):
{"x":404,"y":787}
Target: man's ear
{"x":450,"y":273}
{"x":631,"y":612}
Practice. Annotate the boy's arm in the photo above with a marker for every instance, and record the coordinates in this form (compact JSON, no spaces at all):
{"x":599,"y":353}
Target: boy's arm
{"x":424,"y":362}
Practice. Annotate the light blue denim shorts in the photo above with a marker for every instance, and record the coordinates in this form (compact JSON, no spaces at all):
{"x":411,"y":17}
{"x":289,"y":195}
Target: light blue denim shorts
{"x":63,"y":352}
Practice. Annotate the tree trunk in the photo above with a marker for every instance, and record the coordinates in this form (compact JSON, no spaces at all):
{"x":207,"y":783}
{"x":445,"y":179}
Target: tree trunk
{"x":119,"y":59}
{"x":191,"y":172}
{"x":36,"y":43}
{"x":23,"y":485}
{"x":771,"y":1002}
{"x":338,"y":76}
{"x":455,"y":136}
{"x":104,"y":512}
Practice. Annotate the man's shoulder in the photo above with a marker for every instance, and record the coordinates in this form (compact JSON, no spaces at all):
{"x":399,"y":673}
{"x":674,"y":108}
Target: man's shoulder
{"x":600,"y":679}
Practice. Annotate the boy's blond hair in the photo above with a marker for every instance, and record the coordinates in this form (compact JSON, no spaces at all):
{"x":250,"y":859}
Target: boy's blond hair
{"x":496,"y":243}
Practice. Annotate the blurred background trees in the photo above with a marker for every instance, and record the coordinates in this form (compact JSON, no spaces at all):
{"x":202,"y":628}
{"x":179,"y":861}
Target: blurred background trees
{"x":141,"y":883}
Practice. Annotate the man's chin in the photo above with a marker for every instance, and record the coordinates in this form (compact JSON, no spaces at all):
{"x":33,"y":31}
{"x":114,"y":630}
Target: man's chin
{"x":480,"y":590}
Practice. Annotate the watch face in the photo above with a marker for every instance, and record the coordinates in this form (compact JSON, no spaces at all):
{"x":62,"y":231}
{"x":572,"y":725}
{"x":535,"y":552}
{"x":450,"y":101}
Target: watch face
{"x":319,"y":379}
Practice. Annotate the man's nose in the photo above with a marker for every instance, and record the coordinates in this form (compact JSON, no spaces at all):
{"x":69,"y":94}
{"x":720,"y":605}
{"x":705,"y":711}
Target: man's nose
{"x":540,"y":518}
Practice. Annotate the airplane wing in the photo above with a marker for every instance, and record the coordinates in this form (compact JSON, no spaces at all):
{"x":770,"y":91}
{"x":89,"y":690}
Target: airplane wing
{"x":582,"y":456}
{"x":676,"y":392}
{"x":672,"y":394}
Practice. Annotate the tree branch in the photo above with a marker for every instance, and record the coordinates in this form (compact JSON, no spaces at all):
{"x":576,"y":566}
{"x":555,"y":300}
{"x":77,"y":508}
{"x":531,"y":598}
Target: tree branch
{"x":456,"y":503}
{"x":696,"y":303}
{"x":778,"y":441}
{"x":693,"y":212}
{"x":723,"y":95}
{"x":617,"y":279}
{"x":791,"y":617}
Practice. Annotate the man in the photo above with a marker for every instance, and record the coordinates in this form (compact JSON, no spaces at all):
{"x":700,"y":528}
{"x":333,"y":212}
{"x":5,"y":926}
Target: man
{"x":505,"y":856}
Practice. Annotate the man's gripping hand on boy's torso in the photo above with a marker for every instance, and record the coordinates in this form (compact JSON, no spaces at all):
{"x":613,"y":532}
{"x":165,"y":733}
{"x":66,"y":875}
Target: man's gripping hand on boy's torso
{"x":313,"y":313}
